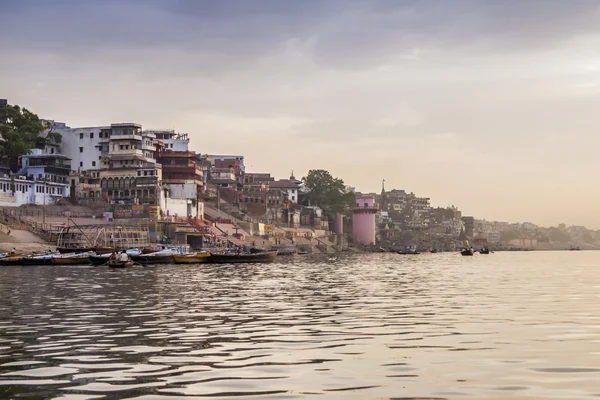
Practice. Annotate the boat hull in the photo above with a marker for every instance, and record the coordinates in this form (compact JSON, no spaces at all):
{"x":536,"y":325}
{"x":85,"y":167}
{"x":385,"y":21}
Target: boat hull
{"x":121,"y":264}
{"x":69,"y":250}
{"x":11,"y":260}
{"x":466,"y":252}
{"x":405,"y":253}
{"x":145,"y":259}
{"x":71,"y":261}
{"x":37,"y":261}
{"x":243,"y":258}
{"x":197,"y":258}
{"x":98,"y":260}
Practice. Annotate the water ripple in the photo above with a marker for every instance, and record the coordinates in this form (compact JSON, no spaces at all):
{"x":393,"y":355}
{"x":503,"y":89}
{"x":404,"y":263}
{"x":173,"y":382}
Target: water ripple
{"x":523,"y":325}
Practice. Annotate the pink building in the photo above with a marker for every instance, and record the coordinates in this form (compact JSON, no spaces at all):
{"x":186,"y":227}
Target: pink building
{"x":363,"y":220}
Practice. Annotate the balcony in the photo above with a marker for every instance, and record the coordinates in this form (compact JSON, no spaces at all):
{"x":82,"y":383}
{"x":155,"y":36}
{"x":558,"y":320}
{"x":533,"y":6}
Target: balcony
{"x":130,"y":136}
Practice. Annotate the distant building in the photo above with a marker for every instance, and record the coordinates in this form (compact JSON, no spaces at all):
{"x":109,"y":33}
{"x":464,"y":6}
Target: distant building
{"x":172,"y":140}
{"x":289,"y":187}
{"x":225,"y":161}
{"x":3,"y":102}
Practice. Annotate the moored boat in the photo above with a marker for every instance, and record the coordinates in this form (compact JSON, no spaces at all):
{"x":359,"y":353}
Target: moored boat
{"x":72,"y":259}
{"x":194,"y":258}
{"x":158,"y":257}
{"x":11,"y":260}
{"x":39,"y":259}
{"x":227,"y":258}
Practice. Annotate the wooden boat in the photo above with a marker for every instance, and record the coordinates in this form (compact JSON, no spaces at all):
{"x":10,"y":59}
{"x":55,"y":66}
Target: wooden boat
{"x":72,"y":259}
{"x":43,"y":259}
{"x":120,"y":264}
{"x":154,"y":258}
{"x":285,"y":252}
{"x":70,"y":250}
{"x":11,"y":260}
{"x":227,"y":258}
{"x":467,"y":252}
{"x":408,"y":252}
{"x":484,"y":250}
{"x":194,"y":258}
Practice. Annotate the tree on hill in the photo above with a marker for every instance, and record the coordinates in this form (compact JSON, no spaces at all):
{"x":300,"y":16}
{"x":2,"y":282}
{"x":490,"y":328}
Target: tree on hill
{"x":20,"y":130}
{"x":328,"y":192}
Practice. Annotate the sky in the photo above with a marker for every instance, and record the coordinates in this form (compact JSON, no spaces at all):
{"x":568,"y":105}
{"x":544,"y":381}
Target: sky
{"x":487,"y":105}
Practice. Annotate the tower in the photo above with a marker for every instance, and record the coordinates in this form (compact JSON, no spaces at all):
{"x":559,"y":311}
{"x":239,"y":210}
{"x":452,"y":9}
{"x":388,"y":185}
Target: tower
{"x":363,"y":220}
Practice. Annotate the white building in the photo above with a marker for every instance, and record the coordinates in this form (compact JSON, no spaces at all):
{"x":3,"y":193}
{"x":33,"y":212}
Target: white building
{"x":42,"y":180}
{"x":172,"y":140}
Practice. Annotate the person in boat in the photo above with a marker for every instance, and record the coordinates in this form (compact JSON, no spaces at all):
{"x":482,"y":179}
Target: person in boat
{"x":123,"y":257}
{"x":113,"y":257}
{"x":13,"y":251}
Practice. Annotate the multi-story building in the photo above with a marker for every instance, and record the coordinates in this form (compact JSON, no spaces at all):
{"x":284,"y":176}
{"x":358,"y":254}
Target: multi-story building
{"x":42,"y":180}
{"x":290,"y":187}
{"x":172,"y":140}
{"x":226,"y":161}
{"x":183,"y":175}
{"x":116,"y":162}
{"x":129,"y":172}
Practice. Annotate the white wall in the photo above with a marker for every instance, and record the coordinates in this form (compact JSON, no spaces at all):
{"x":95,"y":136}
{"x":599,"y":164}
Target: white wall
{"x":180,"y":207}
{"x":26,"y":192}
{"x":71,"y":142}
{"x":176,"y":145}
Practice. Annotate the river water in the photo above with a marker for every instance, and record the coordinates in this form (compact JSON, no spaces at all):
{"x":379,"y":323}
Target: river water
{"x":504,"y":325}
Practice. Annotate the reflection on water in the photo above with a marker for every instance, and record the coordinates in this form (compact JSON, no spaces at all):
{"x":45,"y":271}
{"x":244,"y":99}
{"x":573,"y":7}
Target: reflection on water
{"x":518,"y":325}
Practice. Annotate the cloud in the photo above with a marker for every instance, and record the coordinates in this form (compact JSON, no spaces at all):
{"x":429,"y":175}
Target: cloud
{"x":422,"y":92}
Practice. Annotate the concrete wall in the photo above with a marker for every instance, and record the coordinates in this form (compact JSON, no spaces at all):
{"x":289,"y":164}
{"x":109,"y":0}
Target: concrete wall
{"x":186,"y":190}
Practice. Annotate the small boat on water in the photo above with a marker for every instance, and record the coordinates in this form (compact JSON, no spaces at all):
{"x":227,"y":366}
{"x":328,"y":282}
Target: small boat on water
{"x":285,"y":252}
{"x":99,"y":259}
{"x":409,"y":251}
{"x":467,"y":252}
{"x":120,"y":264}
{"x":227,"y":258}
{"x":484,"y":250}
{"x":194,"y":258}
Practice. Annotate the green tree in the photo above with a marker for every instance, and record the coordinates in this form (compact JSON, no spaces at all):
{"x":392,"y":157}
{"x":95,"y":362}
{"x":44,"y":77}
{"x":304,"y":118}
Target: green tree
{"x":328,"y":192}
{"x":20,"y":129}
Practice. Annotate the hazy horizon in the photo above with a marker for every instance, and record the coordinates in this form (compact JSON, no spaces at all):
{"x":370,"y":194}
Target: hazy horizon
{"x":486,"y":105}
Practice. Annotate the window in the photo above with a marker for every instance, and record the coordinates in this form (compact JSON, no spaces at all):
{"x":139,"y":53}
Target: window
{"x":81,"y":163}
{"x":81,"y":135}
{"x":93,"y":163}
{"x":91,"y":135}
{"x":81,"y":149}
{"x":293,"y":198}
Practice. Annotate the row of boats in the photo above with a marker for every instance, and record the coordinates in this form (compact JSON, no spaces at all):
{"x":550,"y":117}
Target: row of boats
{"x":136,"y":256}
